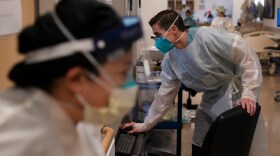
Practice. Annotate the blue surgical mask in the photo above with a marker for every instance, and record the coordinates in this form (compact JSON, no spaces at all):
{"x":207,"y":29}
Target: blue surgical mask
{"x":163,"y":44}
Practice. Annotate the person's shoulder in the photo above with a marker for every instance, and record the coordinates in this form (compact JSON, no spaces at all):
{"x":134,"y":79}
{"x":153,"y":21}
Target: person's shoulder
{"x":215,"y":19}
{"x":211,"y":30}
{"x":16,"y":94}
{"x":17,"y":109}
{"x":193,"y":20}
{"x":203,"y":30}
{"x":228,"y":19}
{"x":193,"y":30}
{"x":20,"y":119}
{"x":10,"y":99}
{"x":211,"y":34}
{"x":20,"y":134}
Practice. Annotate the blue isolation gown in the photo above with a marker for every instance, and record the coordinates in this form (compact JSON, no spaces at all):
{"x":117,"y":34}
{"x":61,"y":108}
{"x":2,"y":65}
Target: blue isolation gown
{"x":219,"y":64}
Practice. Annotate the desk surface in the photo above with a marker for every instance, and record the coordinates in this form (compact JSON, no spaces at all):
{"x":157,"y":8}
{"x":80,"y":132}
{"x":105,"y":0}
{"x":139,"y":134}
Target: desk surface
{"x":156,"y":80}
{"x":149,"y":84}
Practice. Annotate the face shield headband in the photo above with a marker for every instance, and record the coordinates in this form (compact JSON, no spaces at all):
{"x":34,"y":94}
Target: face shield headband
{"x":107,"y":42}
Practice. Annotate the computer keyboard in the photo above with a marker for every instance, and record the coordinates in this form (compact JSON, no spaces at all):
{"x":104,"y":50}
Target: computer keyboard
{"x":125,"y":143}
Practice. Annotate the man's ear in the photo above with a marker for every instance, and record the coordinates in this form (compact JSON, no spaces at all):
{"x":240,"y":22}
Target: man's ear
{"x":75,"y":78}
{"x":174,"y":28}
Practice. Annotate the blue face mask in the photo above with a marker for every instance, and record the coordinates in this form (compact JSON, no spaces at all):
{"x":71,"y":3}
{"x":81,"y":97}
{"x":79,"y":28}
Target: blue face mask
{"x":163,"y":44}
{"x":189,"y":17}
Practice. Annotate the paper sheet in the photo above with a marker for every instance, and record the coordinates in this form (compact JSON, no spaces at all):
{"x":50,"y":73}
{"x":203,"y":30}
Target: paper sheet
{"x":10,"y":16}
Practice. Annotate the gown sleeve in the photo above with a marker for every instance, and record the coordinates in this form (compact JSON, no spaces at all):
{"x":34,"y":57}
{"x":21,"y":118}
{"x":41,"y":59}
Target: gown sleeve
{"x":164,"y":98}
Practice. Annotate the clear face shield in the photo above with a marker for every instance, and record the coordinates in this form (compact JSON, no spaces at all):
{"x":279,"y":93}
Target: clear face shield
{"x":113,"y":42}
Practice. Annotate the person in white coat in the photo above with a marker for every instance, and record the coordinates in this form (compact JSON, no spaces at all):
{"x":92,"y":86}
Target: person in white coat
{"x":68,"y":85}
{"x":222,"y":21}
{"x":213,"y":61}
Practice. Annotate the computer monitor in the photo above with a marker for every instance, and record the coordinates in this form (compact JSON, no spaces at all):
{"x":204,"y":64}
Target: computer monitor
{"x":278,"y":17}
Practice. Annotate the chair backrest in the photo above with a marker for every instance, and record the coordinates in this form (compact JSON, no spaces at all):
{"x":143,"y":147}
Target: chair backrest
{"x":231,"y":134}
{"x":258,"y":40}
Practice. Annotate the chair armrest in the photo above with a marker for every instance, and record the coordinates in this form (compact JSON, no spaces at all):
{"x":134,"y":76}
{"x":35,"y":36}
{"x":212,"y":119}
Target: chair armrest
{"x":108,"y":137}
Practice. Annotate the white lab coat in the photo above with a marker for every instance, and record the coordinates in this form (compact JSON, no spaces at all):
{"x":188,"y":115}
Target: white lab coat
{"x":33,"y":124}
{"x":219,"y":64}
{"x":223,"y":23}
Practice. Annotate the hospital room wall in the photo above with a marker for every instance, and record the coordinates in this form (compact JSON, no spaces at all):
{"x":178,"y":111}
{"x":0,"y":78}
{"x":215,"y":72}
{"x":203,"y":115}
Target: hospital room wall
{"x":149,"y":9}
{"x":8,"y":44}
{"x":236,"y":10}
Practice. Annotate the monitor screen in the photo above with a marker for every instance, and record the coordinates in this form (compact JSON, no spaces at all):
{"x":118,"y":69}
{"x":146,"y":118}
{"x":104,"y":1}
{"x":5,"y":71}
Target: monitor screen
{"x":278,"y":17}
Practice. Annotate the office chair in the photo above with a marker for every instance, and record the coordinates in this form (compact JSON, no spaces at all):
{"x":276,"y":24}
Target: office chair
{"x":231,"y":134}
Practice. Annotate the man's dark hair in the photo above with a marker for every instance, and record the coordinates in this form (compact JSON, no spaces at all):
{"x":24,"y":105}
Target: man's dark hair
{"x":165,"y":18}
{"x":188,"y":11}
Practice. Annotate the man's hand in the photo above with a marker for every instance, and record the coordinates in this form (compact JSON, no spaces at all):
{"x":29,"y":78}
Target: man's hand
{"x":248,"y":104}
{"x":136,"y":127}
